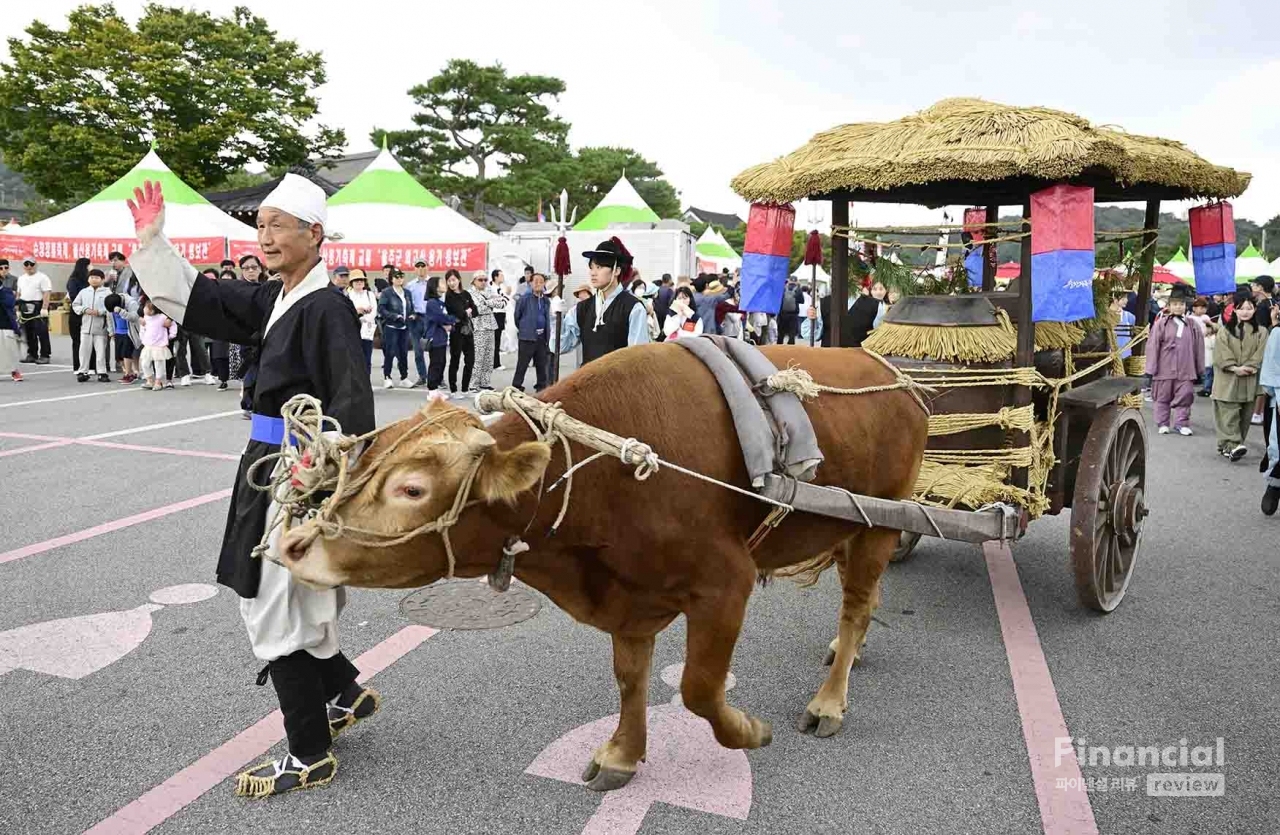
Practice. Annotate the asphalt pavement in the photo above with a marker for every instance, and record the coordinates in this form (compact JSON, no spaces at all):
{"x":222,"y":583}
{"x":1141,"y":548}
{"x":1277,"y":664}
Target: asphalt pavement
{"x":122,"y":711}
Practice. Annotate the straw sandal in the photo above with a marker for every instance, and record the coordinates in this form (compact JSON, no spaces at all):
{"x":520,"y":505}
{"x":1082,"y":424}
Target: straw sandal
{"x":342,"y":717}
{"x":285,"y":775}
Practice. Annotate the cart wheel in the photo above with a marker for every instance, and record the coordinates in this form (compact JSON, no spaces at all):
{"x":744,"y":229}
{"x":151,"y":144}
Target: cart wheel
{"x":906,"y":545}
{"x":1108,"y":507}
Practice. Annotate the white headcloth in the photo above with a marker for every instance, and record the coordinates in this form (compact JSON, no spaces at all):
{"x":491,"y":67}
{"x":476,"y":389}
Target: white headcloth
{"x":301,"y":198}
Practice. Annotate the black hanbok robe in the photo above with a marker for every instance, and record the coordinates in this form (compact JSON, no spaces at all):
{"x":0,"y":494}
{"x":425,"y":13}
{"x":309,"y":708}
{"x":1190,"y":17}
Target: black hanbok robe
{"x":312,"y":347}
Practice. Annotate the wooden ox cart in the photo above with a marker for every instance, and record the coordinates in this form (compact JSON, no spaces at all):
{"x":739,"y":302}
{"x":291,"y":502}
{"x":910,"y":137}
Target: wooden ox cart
{"x":1037,"y":418}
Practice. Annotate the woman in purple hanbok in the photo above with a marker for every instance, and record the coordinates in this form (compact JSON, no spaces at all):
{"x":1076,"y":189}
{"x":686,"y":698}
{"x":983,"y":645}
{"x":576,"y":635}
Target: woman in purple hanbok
{"x":1175,"y":362}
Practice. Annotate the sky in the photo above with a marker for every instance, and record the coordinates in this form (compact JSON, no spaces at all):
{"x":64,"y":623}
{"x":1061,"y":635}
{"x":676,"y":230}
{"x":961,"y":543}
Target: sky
{"x":707,"y":88}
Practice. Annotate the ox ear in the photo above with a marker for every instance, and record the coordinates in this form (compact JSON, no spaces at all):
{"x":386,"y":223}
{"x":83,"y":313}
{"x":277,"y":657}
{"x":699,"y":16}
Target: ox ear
{"x":505,"y":474}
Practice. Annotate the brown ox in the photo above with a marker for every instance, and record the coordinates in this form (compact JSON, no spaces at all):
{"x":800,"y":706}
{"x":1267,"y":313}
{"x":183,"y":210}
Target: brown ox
{"x":631,"y":555}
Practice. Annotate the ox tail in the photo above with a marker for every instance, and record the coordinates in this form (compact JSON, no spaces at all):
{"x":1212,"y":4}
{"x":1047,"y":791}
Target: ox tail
{"x":807,"y":573}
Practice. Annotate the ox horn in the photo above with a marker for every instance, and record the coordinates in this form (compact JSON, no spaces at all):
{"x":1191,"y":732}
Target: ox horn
{"x":478,"y":441}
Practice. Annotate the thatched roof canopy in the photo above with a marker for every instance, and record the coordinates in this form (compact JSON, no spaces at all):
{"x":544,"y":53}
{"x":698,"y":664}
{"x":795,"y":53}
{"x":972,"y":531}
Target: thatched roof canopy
{"x":978,"y":152}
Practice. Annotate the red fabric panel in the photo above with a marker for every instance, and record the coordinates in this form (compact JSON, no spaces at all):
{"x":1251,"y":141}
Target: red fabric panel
{"x":972,"y":217}
{"x":770,"y":229}
{"x":1212,"y":224}
{"x":1062,"y":219}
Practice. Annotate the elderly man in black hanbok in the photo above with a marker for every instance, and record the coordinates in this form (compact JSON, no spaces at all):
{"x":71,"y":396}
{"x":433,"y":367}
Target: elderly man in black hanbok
{"x":309,"y":343}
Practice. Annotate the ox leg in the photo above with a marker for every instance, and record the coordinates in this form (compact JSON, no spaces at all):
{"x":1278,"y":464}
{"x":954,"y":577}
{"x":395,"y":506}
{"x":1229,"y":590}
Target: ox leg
{"x":614,"y":763}
{"x":713,"y":631}
{"x":861,"y":566}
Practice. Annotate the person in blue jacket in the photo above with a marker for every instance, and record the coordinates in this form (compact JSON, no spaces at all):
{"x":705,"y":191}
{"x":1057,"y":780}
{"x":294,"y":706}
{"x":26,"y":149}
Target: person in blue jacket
{"x":393,"y":310}
{"x":9,"y":331}
{"x":435,"y":333}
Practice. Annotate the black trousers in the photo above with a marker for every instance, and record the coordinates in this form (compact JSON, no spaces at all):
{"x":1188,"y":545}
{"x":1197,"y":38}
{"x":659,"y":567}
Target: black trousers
{"x":304,"y":685}
{"x":435,"y":370}
{"x":463,"y":346}
{"x":190,"y":343}
{"x":788,"y":329}
{"x":539,"y":352}
{"x":501,"y":319}
{"x":36,"y":332}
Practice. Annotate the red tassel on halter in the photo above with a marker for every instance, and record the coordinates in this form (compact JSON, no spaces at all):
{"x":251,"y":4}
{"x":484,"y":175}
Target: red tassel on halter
{"x":561,"y":262}
{"x":813,"y":249}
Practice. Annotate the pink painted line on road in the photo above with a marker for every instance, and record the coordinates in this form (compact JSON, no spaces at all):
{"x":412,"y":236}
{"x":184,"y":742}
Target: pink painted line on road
{"x":1060,"y":791}
{"x":57,"y":441}
{"x":189,"y":453}
{"x":182,"y":789}
{"x":109,"y":527}
{"x":34,"y":448}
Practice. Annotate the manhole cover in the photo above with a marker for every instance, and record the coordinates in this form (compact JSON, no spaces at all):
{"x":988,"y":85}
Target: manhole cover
{"x":469,"y":604}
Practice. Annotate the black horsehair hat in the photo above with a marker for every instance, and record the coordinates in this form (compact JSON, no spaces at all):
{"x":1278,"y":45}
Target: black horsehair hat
{"x":1183,"y":292}
{"x":610,"y":253}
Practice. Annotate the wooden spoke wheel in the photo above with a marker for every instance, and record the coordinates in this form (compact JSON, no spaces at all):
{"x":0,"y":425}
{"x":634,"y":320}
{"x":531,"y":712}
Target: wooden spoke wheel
{"x":906,"y":545}
{"x":1109,"y":507}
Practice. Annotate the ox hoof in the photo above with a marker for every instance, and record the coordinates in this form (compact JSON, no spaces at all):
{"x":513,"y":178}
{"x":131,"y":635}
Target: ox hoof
{"x":764,"y":729}
{"x":830,"y":659}
{"x":822,"y":726}
{"x":606,"y":779}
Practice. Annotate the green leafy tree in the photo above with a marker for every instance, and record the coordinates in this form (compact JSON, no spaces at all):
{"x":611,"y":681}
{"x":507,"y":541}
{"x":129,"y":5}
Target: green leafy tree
{"x":474,"y":122}
{"x":79,"y":106}
{"x":598,"y":169}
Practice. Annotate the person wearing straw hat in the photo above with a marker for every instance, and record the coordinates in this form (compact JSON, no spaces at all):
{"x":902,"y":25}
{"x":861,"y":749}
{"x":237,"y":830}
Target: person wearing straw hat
{"x":309,"y":344}
{"x":612,"y":318}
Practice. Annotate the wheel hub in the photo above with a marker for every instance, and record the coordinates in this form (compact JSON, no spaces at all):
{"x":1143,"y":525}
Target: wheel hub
{"x":1127,"y":510}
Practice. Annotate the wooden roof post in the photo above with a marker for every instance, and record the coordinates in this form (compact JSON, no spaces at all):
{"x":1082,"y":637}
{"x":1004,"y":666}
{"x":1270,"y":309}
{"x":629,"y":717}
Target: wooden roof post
{"x":1151,"y":230}
{"x":839,"y":266}
{"x":1026,"y":355}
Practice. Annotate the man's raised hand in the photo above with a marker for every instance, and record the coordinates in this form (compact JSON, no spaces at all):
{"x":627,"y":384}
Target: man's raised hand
{"x":148,"y":211}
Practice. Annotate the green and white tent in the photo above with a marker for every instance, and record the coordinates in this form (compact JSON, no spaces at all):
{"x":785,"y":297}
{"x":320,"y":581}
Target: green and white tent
{"x":623,"y":204}
{"x":385,"y":216}
{"x":714,"y":252}
{"x":1250,"y":264}
{"x":104,"y":224}
{"x":1181,"y":267}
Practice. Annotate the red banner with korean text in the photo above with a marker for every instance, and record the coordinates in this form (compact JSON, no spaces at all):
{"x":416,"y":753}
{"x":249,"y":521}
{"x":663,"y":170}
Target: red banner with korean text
{"x":439,"y":257}
{"x":97,"y":250}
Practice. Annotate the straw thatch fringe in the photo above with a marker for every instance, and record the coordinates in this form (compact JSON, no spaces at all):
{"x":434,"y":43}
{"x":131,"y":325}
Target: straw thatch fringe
{"x":972,"y":140}
{"x":1058,"y":335}
{"x":948,"y":343}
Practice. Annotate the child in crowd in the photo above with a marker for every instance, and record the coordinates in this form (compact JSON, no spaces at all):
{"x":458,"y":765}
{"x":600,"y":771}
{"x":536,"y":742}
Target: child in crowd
{"x":436,"y":333}
{"x":127,"y":334}
{"x":157,"y":331}
{"x":1124,"y":321}
{"x":90,"y":304}
{"x":1200,"y":312}
{"x":1237,"y":356}
{"x":1175,"y":361}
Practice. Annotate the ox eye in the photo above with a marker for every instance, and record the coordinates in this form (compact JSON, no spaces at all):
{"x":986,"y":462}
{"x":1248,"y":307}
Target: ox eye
{"x":413,"y":491}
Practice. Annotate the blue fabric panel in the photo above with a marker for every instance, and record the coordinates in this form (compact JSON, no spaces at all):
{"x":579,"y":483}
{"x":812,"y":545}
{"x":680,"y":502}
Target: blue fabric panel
{"x":1062,"y":285}
{"x":764,"y":278}
{"x":1215,"y":268}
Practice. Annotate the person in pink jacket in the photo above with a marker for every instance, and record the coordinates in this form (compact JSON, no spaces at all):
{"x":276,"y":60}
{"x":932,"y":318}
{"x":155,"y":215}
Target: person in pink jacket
{"x":157,"y":331}
{"x":1175,"y":362}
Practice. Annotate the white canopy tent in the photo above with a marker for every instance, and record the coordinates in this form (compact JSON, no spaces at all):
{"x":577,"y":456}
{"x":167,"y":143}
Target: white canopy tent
{"x":714,"y":253}
{"x":103,"y":224}
{"x":385,"y":216}
{"x":1250,"y":264}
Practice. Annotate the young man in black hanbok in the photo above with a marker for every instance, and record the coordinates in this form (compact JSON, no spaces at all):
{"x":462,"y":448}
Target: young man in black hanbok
{"x":612,"y":318}
{"x":309,"y":344}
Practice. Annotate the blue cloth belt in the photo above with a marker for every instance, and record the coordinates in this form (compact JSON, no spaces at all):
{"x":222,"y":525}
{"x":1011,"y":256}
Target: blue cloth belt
{"x":268,"y":430}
